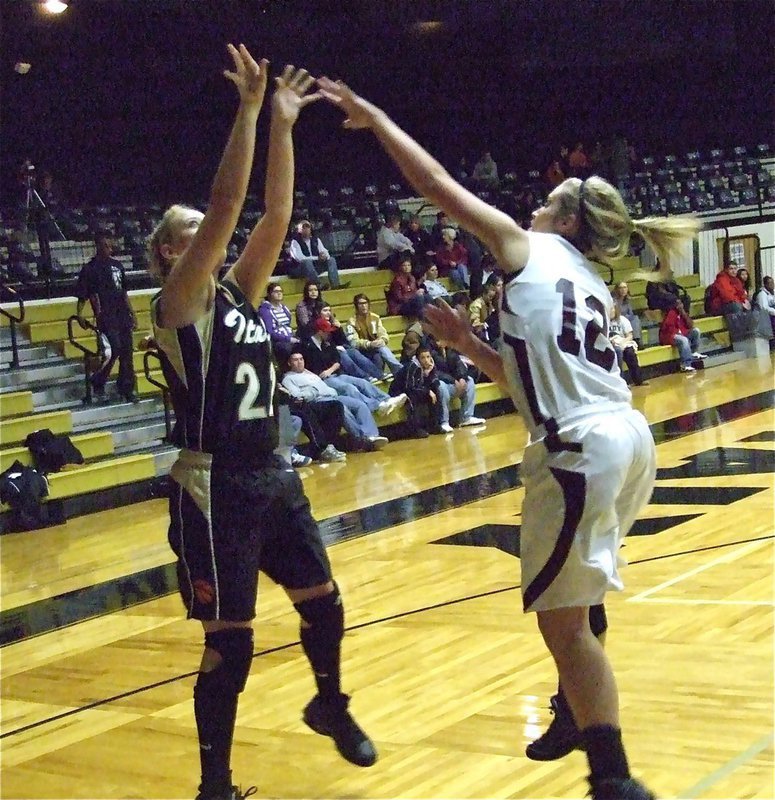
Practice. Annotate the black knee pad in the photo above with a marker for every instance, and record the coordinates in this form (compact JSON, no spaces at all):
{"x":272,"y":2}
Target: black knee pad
{"x":598,"y":621}
{"x":323,"y":613}
{"x":235,"y":647}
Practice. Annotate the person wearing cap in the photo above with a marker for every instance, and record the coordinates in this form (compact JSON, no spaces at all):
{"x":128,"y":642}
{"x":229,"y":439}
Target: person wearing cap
{"x":322,"y":357}
{"x":308,"y":256}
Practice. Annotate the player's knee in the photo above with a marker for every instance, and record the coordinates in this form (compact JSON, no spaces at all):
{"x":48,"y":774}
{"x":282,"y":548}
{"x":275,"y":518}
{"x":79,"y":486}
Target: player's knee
{"x":598,"y":621}
{"x":324,"y":613}
{"x":235,"y":647}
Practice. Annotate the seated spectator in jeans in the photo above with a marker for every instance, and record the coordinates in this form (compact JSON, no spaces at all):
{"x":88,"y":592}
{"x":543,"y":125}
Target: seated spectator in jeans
{"x":433,"y":287}
{"x":366,"y":332}
{"x":303,"y":384}
{"x":308,"y":258}
{"x":404,"y":297}
{"x":324,"y":359}
{"x":730,"y":294}
{"x":419,"y":380}
{"x":765,"y":302}
{"x":678,"y":329}
{"x":392,"y":245}
{"x":277,"y":321}
{"x":663,"y":295}
{"x":308,"y":308}
{"x":321,"y":421}
{"x":621,"y":336}
{"x":353,"y":361}
{"x":454,"y":381}
{"x":621,"y":296}
{"x":452,"y":259}
{"x":483,"y":311}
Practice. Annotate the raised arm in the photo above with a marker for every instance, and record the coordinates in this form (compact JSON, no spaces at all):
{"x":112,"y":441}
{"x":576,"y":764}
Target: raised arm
{"x":506,"y":240}
{"x":257,"y":262}
{"x":189,"y":288}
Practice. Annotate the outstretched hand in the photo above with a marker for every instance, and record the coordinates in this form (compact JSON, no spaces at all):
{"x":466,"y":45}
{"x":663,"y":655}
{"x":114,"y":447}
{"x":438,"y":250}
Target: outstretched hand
{"x":448,"y":326}
{"x":248,"y":76}
{"x":359,"y":112}
{"x":291,"y":94}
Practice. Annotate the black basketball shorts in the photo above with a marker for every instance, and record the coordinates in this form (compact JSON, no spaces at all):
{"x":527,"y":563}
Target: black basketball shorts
{"x":226,"y":525}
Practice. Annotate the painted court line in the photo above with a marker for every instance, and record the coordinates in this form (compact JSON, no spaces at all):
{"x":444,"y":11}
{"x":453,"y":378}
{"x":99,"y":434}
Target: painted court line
{"x":726,"y":558}
{"x":683,"y":601}
{"x":725,"y":770}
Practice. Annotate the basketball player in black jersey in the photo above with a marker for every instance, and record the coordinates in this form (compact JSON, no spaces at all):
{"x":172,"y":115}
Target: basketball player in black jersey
{"x":235,"y":507}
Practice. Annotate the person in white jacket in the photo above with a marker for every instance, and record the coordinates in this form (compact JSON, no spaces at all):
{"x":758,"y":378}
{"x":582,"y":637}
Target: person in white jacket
{"x":308,"y":256}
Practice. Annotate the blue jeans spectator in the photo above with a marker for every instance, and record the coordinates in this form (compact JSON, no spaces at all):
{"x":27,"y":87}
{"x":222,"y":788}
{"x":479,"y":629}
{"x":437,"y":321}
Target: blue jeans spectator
{"x":358,"y":388}
{"x":310,"y":271}
{"x":355,"y":363}
{"x":467,"y":401}
{"x":358,"y":421}
{"x":383,"y":359}
{"x":687,"y":345}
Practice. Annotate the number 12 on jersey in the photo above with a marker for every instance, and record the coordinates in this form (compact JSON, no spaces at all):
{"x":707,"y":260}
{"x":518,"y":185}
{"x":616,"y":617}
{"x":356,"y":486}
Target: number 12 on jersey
{"x":568,"y":340}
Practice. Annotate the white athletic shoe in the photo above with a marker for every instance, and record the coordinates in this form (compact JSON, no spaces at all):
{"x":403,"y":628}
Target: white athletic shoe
{"x":378,"y":441}
{"x":473,"y":421}
{"x":446,"y":427}
{"x":331,"y":454}
{"x":699,"y":355}
{"x":687,"y":368}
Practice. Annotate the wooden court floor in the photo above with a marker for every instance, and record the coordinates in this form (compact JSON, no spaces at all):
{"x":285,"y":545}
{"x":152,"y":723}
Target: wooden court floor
{"x":447,"y":674}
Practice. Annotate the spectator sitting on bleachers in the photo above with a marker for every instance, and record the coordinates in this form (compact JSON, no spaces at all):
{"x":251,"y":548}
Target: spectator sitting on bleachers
{"x":482,"y":310}
{"x":321,"y":419}
{"x":662,"y":294}
{"x":324,"y":359}
{"x":308,"y":258}
{"x":621,"y":296}
{"x":419,"y":381}
{"x":485,"y":173}
{"x":392,"y":245}
{"x":277,"y":321}
{"x":322,"y":351}
{"x":729,"y":296}
{"x":442,"y":221}
{"x":404,"y":296}
{"x":424,"y":249}
{"x":578,"y":163}
{"x":621,"y":336}
{"x":366,"y":332}
{"x":678,"y":329}
{"x":452,"y":259}
{"x":745,"y":278}
{"x":303,"y":384}
{"x":430,"y":282}
{"x":765,"y":302}
{"x":102,"y":281}
{"x":454,"y":381}
{"x":308,"y":308}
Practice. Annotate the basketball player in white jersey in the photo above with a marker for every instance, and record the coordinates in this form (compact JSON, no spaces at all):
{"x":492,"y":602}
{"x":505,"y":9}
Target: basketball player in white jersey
{"x":590,"y":466}
{"x":235,"y":507}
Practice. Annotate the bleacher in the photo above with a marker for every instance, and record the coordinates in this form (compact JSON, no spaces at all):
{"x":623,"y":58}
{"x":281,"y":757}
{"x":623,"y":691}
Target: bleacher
{"x":124,"y":443}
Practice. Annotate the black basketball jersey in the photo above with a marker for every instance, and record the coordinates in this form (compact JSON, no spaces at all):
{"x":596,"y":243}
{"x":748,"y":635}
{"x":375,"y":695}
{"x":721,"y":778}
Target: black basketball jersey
{"x":221,"y":379}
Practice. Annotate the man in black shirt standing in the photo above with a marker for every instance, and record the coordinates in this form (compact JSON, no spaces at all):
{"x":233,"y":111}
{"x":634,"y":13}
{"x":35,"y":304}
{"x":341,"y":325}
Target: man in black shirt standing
{"x":103,"y":282}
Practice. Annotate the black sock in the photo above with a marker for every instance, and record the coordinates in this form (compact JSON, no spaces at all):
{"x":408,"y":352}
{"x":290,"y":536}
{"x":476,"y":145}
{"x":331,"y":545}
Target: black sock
{"x":605,"y":752}
{"x":215,"y":716}
{"x":322,"y":640}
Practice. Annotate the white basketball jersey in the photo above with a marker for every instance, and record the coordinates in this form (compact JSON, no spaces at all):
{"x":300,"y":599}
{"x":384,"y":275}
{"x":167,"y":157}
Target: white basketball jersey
{"x":556,"y":353}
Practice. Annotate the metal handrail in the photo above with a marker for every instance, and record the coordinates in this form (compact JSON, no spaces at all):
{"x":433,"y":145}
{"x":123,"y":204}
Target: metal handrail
{"x":85,"y":325}
{"x":152,"y":352}
{"x":14,"y":322}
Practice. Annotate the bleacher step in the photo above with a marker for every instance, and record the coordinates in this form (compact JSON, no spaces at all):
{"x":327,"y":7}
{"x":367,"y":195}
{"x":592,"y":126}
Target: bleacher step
{"x":52,"y":370}
{"x":112,"y":415}
{"x":138,"y":434}
{"x":28,"y":354}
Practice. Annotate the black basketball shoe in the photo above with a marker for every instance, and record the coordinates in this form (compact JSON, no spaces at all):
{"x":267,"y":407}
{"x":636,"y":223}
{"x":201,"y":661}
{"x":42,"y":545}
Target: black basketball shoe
{"x":233,"y":793}
{"x":331,"y":718}
{"x":561,"y":737}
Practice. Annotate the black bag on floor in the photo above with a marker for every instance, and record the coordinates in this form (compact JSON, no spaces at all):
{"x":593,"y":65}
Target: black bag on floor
{"x":52,"y":451}
{"x":23,"y":488}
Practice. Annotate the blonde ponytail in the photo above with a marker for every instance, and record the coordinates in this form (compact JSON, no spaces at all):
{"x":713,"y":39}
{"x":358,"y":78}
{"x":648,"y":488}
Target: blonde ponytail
{"x":605,"y":225}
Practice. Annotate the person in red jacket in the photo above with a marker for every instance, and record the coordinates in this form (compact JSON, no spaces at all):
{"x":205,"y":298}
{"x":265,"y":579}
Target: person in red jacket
{"x":404,"y":296}
{"x":731,"y":296}
{"x":678,"y":329}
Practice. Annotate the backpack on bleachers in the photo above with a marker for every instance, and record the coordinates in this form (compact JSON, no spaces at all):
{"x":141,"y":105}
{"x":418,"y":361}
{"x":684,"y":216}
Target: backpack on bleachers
{"x":51,"y":451}
{"x":23,"y":488}
{"x":710,"y":300}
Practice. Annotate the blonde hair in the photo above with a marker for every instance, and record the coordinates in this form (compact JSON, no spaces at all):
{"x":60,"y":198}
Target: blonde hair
{"x":167,"y":232}
{"x":605,"y":225}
